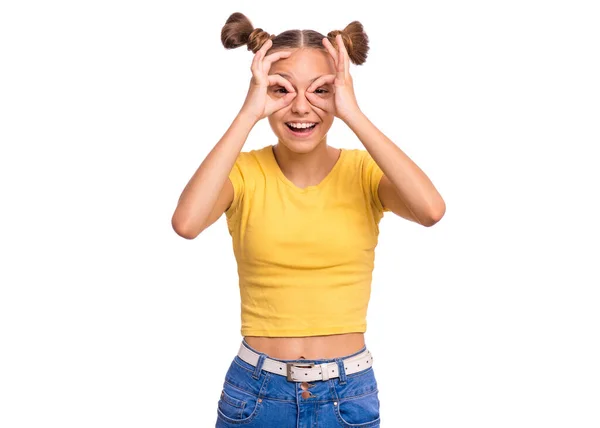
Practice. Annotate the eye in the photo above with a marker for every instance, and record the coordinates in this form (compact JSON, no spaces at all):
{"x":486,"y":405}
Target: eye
{"x":321,"y":91}
{"x":281,"y":90}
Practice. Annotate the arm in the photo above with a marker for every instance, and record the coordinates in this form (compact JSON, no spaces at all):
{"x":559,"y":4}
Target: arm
{"x":404,"y":187}
{"x":194,"y":210}
{"x":208,"y":193}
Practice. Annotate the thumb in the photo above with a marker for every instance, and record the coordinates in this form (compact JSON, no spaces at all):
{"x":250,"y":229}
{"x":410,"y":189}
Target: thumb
{"x":317,"y":101}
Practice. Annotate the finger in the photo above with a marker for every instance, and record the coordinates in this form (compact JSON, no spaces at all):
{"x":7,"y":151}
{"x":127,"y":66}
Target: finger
{"x":284,"y":101}
{"x":330,"y":49}
{"x":254,"y":64}
{"x":315,"y":100}
{"x":265,"y":47}
{"x":345,"y":56}
{"x":276,"y":79}
{"x":257,"y":55}
{"x":341,"y":58}
{"x":269,"y":60}
{"x":323,"y":80}
{"x":263,"y":51}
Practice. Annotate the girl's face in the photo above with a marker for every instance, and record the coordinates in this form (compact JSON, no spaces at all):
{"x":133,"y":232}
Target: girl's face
{"x":301,"y":68}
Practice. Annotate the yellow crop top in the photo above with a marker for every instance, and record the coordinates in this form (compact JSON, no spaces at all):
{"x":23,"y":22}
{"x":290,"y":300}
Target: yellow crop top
{"x":305,"y":256}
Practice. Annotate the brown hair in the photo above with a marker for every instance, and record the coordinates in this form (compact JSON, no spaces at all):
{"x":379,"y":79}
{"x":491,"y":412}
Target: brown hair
{"x":238,"y":31}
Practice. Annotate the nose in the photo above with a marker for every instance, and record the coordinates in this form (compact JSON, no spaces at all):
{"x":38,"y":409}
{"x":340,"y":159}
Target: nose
{"x":300,"y":103}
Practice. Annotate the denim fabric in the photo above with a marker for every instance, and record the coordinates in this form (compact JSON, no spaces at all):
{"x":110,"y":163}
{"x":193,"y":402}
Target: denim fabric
{"x":252,"y":397}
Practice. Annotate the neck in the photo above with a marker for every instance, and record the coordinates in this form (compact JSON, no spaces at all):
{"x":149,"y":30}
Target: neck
{"x":306,"y":168}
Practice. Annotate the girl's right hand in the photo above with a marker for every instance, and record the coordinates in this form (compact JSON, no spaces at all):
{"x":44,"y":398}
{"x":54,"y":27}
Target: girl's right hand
{"x":258,"y":103}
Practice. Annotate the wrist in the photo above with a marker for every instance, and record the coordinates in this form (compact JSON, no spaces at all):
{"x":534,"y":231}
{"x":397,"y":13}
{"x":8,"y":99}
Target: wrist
{"x":353,"y":117}
{"x":247,"y":118}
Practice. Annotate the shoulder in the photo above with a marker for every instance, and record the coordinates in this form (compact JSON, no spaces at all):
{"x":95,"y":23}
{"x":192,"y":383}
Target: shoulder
{"x":359,"y":160}
{"x":250,"y":162}
{"x":358,"y":155}
{"x":253,"y":157}
{"x":251,"y":166}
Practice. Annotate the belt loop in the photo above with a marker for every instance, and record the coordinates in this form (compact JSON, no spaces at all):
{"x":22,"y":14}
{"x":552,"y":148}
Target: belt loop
{"x":259,"y":364}
{"x":341,"y":370}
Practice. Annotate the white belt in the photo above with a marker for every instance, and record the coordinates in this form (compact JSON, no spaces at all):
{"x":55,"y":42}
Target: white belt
{"x":299,"y":372}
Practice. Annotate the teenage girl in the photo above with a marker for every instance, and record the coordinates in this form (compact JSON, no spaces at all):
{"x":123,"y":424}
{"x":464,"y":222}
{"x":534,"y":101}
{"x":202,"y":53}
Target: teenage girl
{"x":304,"y":221}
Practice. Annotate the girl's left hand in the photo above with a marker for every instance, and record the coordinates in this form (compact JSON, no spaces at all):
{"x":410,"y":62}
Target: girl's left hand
{"x":343,"y":102}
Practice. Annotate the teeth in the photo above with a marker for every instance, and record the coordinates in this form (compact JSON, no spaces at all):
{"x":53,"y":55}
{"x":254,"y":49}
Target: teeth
{"x":300,"y":125}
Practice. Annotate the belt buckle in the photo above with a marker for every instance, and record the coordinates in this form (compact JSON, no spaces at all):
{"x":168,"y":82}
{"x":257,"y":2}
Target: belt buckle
{"x":289,"y":369}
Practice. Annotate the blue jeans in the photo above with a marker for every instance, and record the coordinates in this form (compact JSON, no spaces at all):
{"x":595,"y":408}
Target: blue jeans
{"x":253,"y":397}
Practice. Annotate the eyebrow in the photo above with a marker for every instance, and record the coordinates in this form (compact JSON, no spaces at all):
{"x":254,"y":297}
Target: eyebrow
{"x":287,"y":76}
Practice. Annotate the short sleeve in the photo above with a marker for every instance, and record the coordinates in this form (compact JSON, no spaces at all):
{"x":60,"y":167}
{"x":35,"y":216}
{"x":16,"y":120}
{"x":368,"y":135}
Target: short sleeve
{"x":371,"y":176}
{"x":236,"y":176}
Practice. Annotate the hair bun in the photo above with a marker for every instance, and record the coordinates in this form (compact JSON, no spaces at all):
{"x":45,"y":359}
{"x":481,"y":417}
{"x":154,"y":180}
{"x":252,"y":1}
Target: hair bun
{"x":238,"y":30}
{"x":355,"y":40}
{"x":257,"y":38}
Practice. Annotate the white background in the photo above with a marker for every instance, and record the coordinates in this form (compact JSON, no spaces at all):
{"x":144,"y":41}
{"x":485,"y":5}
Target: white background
{"x":109,"y":319}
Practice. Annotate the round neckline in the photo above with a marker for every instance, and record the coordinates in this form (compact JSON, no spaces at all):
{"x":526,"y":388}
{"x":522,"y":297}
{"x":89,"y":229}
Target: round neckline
{"x":287,"y":181}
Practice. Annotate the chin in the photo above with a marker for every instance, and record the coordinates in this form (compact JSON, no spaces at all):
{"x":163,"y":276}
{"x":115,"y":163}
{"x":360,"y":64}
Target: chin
{"x":300,"y":146}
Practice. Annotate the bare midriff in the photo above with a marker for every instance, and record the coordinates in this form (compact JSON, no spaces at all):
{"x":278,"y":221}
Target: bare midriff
{"x":308,"y":347}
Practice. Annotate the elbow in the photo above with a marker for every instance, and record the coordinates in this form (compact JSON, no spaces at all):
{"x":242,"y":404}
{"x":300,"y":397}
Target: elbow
{"x":182,"y":229}
{"x":435,"y":214}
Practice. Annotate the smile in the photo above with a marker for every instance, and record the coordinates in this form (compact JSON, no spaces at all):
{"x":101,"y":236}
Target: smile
{"x":301,"y":129}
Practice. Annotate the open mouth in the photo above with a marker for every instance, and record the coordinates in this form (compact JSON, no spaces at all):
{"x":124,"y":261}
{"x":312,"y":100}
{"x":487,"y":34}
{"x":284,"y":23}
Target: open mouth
{"x":301,"y":129}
